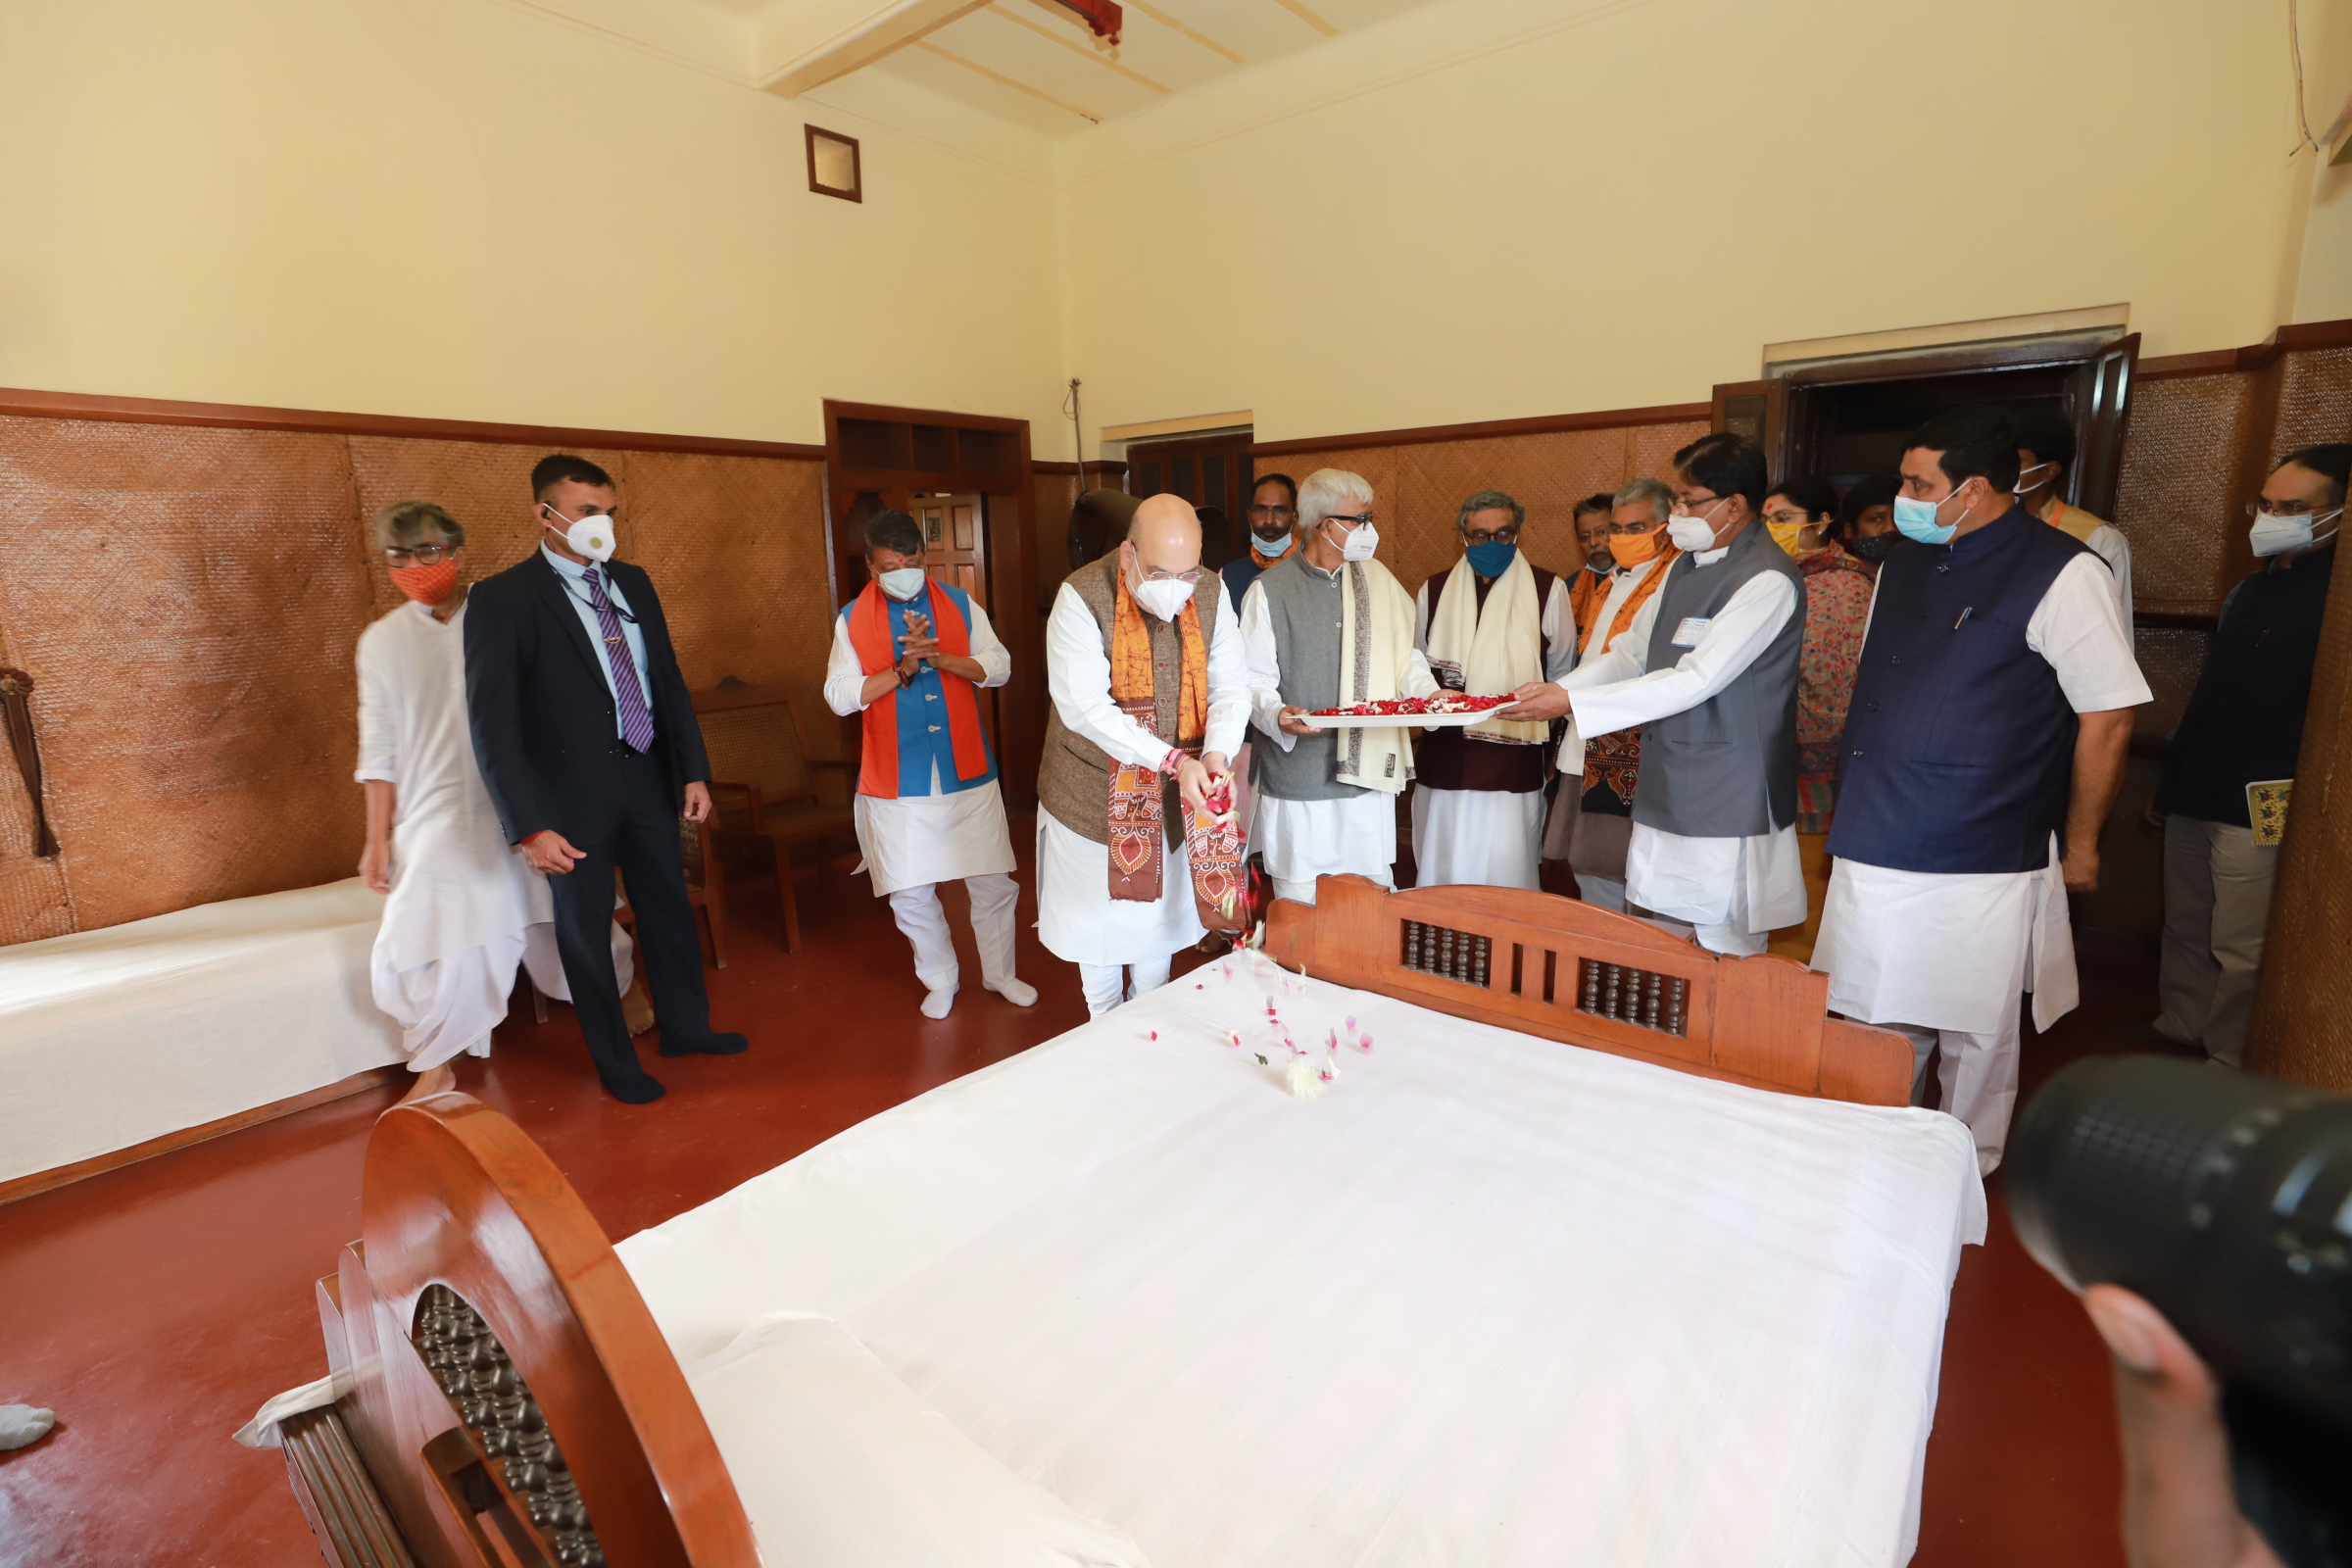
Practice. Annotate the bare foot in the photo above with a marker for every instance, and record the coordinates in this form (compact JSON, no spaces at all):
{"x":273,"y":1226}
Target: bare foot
{"x":432,"y":1081}
{"x":636,"y":1007}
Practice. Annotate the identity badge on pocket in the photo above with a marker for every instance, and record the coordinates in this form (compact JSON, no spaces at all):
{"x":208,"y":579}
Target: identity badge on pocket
{"x":1692,"y":628}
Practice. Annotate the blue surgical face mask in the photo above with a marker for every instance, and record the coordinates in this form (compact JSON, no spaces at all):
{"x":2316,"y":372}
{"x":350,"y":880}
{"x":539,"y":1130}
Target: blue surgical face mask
{"x":1492,"y":558}
{"x":1273,"y":549}
{"x":1917,"y":519}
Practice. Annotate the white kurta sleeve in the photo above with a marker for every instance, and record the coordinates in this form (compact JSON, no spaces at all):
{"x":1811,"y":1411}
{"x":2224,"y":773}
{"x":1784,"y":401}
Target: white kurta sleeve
{"x":1261,"y":668}
{"x":2078,"y":628}
{"x":2116,"y":550}
{"x":1421,"y":617}
{"x":996,"y":660}
{"x":1734,"y":636}
{"x":845,"y":676}
{"x":1559,"y":632}
{"x":1078,"y":678}
{"x":1417,"y":679}
{"x":1229,"y":695}
{"x":379,"y":724}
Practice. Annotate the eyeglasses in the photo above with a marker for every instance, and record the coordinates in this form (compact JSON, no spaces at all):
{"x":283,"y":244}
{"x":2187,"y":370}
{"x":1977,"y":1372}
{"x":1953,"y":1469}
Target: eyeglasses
{"x":1355,"y":522}
{"x":420,"y":556}
{"x":2285,"y":509}
{"x":1508,"y":535}
{"x":1272,"y":515}
{"x":1155,"y":575}
{"x":1697,"y":506}
{"x":1785,"y":515}
{"x":1636,"y":527}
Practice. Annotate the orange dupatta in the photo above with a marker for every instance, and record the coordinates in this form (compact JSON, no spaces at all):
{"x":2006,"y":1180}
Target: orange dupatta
{"x":871,"y":640}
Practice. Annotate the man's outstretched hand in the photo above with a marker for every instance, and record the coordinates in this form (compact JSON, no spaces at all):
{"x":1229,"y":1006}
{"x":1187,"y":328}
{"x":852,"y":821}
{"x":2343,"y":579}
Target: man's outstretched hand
{"x":698,"y":803}
{"x":1535,"y":701}
{"x":2180,"y":1510}
{"x":551,"y":852}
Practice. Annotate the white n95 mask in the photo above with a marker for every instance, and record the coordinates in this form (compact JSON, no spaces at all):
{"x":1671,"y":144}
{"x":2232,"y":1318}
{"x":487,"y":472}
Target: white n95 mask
{"x":904,"y":582}
{"x":1163,"y":598}
{"x":1360,"y":543}
{"x":2275,"y":534}
{"x":1695,"y":533}
{"x":591,"y":537}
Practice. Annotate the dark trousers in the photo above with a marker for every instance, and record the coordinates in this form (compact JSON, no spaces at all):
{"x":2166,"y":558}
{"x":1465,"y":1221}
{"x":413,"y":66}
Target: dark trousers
{"x":640,"y":836}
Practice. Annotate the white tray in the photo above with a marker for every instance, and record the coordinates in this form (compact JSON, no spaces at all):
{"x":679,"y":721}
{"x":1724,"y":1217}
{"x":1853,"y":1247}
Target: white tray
{"x":1408,"y":720}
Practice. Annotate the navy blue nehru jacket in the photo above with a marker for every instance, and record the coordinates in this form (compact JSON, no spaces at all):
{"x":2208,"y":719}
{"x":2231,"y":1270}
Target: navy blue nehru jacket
{"x":1958,"y":754}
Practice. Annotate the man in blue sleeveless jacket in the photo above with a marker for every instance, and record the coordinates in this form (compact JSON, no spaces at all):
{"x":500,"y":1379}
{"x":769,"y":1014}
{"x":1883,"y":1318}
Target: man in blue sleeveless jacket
{"x":1991,"y":713}
{"x":1708,"y":669}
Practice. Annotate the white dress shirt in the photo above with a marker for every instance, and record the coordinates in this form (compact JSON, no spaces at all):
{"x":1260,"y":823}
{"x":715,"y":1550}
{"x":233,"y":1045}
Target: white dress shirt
{"x":1944,"y":949}
{"x":574,"y":577}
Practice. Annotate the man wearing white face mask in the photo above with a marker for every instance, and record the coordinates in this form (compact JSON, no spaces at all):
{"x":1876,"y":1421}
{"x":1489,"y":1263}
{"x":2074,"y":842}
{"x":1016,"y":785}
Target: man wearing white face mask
{"x":1133,"y":858}
{"x":910,"y":655}
{"x":1327,"y":626}
{"x":588,"y":741}
{"x":1708,"y":669}
{"x":2236,"y":751}
{"x":1983,"y":745}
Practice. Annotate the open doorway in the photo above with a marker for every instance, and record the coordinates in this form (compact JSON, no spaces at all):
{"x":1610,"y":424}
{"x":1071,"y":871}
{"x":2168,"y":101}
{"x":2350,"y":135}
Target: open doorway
{"x":1214,"y":472}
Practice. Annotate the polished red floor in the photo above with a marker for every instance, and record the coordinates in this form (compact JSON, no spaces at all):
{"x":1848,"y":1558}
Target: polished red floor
{"x":154,"y":1307}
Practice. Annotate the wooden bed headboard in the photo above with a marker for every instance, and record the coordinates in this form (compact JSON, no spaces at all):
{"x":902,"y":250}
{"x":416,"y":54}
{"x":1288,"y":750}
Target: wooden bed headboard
{"x":1563,"y":970}
{"x":511,"y":1403}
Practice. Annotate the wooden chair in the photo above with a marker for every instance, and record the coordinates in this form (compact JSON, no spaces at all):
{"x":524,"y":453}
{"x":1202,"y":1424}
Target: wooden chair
{"x":706,"y":890}
{"x":763,"y":785}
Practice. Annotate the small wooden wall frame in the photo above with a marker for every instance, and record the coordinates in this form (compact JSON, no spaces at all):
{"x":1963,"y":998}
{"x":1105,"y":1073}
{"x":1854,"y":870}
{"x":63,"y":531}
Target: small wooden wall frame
{"x":825,"y":152}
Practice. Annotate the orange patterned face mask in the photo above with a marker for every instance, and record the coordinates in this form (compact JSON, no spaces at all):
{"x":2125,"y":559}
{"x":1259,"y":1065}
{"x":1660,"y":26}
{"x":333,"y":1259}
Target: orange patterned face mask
{"x":1633,"y":549}
{"x":427,"y":585}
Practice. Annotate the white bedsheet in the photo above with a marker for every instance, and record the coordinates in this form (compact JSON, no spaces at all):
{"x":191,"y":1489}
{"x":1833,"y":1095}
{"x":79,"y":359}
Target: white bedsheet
{"x":1490,"y":1300}
{"x":108,"y":1038}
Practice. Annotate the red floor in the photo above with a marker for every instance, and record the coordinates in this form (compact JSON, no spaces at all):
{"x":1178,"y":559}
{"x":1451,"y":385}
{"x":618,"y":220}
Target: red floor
{"x":154,"y":1307}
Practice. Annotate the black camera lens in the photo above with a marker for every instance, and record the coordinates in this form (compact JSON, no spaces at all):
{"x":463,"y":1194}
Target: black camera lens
{"x":2224,"y":1199}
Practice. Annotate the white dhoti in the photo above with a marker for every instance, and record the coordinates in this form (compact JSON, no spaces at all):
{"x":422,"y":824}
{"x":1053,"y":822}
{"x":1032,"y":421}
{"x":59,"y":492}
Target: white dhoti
{"x":1078,"y":921}
{"x":1489,"y":837}
{"x":448,"y":1005}
{"x":1942,"y":957}
{"x":1303,"y":839}
{"x":913,"y":842}
{"x":1732,"y":892}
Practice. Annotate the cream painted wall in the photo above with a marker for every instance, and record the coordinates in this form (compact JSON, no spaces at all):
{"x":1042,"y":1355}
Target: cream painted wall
{"x":1498,"y":207}
{"x":2324,"y":269}
{"x":457,"y":208}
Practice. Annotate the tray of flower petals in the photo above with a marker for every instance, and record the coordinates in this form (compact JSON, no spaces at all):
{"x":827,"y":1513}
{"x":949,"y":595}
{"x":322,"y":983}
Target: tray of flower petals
{"x":1424,"y":713}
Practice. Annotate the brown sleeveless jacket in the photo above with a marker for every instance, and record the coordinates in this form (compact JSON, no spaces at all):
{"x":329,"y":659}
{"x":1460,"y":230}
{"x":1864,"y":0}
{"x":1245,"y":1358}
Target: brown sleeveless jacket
{"x":1073,"y":778}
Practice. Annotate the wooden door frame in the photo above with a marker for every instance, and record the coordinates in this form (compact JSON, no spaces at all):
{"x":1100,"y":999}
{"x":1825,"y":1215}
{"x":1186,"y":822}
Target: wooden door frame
{"x":1012,"y":562}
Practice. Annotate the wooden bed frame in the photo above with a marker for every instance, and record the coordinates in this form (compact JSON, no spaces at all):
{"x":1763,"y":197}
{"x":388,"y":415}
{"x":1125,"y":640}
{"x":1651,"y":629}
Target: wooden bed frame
{"x":511,"y":1403}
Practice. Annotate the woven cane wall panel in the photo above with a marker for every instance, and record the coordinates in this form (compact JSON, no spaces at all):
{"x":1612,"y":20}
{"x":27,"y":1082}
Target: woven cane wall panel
{"x":2185,"y":464}
{"x":185,"y":601}
{"x":2171,"y":657}
{"x":2315,"y":400}
{"x":1420,"y":487}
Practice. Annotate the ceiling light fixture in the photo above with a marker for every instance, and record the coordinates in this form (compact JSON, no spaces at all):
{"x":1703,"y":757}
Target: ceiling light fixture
{"x":1102,"y":15}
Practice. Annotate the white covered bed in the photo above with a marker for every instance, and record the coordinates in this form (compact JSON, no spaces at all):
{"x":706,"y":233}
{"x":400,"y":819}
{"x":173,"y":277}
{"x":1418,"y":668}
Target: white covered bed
{"x":1487,"y":1299}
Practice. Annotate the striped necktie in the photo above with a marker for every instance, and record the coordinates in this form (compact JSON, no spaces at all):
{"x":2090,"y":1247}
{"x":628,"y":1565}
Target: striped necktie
{"x":636,"y":720}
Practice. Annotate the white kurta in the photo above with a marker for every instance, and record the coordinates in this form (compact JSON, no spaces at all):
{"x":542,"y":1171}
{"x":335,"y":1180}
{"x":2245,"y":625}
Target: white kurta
{"x":462,"y":900}
{"x":1946,"y":951}
{"x":1748,"y":884}
{"x":1303,"y":839}
{"x":915,"y":840}
{"x":1492,"y":838}
{"x":1077,"y":918}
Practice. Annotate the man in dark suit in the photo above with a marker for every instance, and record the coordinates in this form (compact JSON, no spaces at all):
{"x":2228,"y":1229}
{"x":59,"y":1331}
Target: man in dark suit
{"x":588,"y":741}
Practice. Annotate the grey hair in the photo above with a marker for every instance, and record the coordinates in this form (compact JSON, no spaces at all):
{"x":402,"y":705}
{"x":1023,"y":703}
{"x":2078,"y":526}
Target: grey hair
{"x":1657,"y":492}
{"x":1489,"y":500}
{"x":1329,"y":490}
{"x":405,"y":524}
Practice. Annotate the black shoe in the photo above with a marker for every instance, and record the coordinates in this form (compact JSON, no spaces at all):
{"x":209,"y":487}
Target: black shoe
{"x":641,"y":1089}
{"x":707,"y":1046}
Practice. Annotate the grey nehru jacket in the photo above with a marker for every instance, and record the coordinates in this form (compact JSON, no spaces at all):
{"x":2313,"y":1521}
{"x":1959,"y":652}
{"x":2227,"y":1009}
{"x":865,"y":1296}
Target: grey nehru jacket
{"x":1710,"y":771}
{"x":1304,"y":607}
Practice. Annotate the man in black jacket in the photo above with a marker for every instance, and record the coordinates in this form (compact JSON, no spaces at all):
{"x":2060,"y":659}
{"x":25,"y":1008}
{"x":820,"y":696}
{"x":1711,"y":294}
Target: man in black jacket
{"x":588,"y":741}
{"x":2234,"y":758}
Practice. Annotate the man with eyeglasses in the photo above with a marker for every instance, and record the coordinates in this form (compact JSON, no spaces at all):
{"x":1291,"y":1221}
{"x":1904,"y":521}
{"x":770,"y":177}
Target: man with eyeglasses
{"x":589,"y":745}
{"x":2224,"y":797}
{"x":1273,"y":523}
{"x":461,"y":910}
{"x":1151,"y":698}
{"x":1329,"y":626}
{"x":1983,"y":745}
{"x":1487,"y":625}
{"x":1708,"y":669}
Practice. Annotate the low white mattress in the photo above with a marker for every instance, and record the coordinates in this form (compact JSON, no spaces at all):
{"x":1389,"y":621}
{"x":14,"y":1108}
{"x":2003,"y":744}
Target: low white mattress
{"x":1489,"y":1300}
{"x":110,"y":1038}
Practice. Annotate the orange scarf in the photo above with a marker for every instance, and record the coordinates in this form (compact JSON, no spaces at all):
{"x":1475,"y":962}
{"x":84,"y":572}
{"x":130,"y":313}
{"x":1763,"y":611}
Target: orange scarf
{"x":1131,"y":668}
{"x":1138,"y":809}
{"x":1633,"y":601}
{"x":1263,"y":561}
{"x":1585,"y":596}
{"x":870,"y":638}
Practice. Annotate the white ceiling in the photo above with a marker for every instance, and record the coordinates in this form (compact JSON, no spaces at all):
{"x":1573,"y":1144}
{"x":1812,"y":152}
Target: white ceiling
{"x":1033,"y":62}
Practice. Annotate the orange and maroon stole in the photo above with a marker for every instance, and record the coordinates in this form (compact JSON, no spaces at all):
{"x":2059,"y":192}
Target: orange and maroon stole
{"x":876,"y":650}
{"x":1138,"y":825}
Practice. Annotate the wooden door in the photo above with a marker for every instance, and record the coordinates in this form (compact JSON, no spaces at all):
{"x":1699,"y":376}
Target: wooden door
{"x":955,"y":540}
{"x":1216,"y":473}
{"x":1758,"y":410}
{"x":2098,"y":399}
